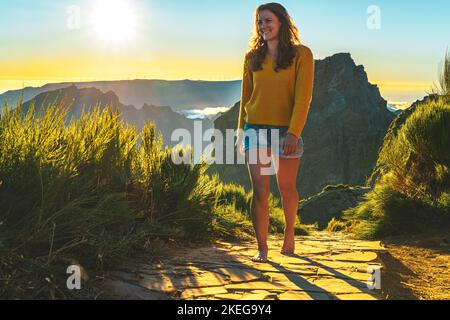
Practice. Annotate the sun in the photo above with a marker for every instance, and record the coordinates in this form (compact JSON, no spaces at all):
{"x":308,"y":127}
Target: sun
{"x":114,"y":21}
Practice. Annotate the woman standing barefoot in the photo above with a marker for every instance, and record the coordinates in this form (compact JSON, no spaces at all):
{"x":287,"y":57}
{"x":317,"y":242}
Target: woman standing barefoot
{"x":276,"y":95}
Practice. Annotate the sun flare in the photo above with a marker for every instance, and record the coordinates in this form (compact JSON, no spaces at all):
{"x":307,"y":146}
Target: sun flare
{"x":114,"y":21}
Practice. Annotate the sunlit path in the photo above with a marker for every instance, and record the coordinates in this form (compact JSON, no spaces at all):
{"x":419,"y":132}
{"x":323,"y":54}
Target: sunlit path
{"x":327,"y":267}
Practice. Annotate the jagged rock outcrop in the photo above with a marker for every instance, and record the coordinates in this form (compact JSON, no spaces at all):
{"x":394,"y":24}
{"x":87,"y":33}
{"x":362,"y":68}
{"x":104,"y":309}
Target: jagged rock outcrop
{"x":321,"y":208}
{"x":345,"y":129}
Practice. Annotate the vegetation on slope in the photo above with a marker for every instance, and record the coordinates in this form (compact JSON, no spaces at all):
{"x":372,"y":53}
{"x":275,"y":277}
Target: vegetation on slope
{"x":412,"y":189}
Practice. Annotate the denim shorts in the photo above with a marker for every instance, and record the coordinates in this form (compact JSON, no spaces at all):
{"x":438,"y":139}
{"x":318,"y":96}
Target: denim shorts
{"x":264,"y":136}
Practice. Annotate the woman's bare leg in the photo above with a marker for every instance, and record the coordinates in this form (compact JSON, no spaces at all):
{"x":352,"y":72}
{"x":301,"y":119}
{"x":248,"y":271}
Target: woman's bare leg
{"x":260,"y":205}
{"x":287,"y":184}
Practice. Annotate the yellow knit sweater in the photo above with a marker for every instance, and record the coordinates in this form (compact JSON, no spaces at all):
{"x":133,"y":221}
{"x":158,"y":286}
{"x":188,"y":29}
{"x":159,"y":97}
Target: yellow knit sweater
{"x":278,"y":98}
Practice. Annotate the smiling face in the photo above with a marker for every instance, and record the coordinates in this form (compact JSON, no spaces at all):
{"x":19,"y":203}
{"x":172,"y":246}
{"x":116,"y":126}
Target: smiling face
{"x":269,"y":25}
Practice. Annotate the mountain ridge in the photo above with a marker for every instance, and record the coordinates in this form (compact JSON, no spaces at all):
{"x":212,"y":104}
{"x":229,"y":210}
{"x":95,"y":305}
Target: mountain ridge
{"x":75,"y":100}
{"x":179,"y":94}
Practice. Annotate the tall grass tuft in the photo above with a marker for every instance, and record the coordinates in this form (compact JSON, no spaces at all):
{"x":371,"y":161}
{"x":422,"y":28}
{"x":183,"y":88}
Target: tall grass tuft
{"x":443,"y":86}
{"x":63,"y":195}
{"x":413,"y":186}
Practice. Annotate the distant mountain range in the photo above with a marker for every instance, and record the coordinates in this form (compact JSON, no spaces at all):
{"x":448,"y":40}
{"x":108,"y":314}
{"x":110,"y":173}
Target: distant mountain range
{"x":186,"y":96}
{"x":75,"y":99}
{"x":179,"y":95}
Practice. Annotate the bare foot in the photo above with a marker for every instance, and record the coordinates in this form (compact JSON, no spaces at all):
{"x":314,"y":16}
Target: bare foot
{"x":289,"y":244}
{"x":261,"y":257}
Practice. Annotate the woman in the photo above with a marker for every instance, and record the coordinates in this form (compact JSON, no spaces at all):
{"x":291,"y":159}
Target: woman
{"x":276,"y":95}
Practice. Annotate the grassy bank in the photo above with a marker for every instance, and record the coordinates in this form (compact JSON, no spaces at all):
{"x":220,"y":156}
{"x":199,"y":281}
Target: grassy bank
{"x":412,"y":179}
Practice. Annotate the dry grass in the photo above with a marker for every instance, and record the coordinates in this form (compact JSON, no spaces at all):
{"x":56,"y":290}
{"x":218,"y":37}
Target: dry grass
{"x":417,"y":267}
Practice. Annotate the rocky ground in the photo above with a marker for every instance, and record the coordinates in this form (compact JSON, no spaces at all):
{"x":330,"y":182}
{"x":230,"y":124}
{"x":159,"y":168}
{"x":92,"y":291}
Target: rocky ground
{"x":328,"y":267}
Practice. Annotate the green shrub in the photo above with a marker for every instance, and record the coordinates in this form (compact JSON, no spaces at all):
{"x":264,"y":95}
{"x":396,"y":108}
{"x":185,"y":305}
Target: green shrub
{"x":412,"y":190}
{"x":231,"y":224}
{"x":236,"y":195}
{"x":63,"y":195}
{"x":337,"y":187}
{"x":336,"y":225}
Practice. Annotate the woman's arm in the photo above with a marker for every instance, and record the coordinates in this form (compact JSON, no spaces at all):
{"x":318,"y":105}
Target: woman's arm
{"x":303,"y":92}
{"x":247,"y":89}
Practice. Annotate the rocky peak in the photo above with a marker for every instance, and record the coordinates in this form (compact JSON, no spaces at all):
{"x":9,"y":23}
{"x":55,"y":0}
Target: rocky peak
{"x":343,"y":84}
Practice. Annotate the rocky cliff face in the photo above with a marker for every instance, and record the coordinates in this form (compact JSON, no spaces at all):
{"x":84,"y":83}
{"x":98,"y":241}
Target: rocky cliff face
{"x":345,"y":129}
{"x":321,"y":208}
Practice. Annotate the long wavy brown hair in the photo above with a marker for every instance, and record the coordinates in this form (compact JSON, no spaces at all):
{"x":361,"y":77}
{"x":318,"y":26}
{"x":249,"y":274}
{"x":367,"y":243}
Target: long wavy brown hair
{"x":288,"y":39}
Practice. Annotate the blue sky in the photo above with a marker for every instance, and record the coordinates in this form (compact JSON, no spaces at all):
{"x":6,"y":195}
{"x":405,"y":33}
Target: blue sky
{"x":207,"y":39}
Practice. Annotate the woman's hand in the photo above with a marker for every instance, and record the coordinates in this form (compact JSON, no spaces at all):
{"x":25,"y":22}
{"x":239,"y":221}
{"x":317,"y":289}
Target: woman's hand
{"x":240,"y":144}
{"x":290,"y":144}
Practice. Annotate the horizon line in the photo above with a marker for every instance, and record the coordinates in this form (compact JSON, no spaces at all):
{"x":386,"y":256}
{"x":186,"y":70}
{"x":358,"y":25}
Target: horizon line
{"x":105,"y":80}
